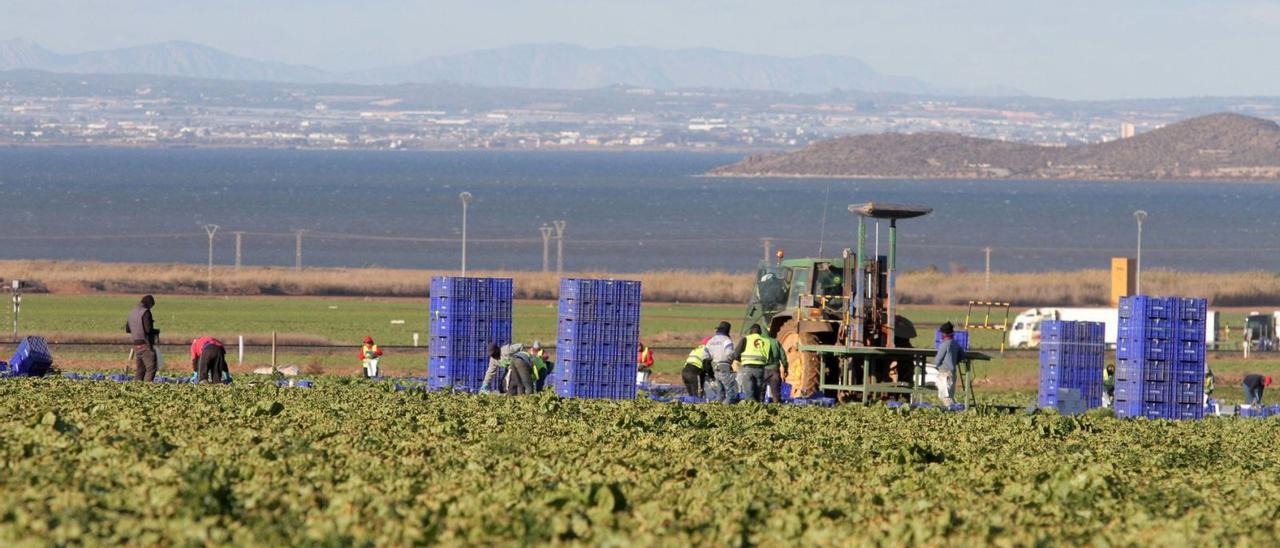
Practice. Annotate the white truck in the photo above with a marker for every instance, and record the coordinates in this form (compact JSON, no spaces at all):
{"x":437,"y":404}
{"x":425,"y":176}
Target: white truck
{"x":1025,"y":331}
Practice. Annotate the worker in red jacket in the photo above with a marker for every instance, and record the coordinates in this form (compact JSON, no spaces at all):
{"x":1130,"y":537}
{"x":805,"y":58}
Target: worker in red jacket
{"x":644,"y":363}
{"x":369,"y":354}
{"x":209,"y":360}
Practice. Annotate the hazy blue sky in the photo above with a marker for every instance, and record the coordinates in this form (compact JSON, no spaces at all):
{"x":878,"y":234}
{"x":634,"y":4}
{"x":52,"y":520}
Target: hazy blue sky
{"x":1062,"y":48}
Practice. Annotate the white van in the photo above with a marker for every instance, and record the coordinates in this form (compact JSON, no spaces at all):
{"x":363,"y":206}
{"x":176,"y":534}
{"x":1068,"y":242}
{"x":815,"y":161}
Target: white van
{"x":1025,"y":331}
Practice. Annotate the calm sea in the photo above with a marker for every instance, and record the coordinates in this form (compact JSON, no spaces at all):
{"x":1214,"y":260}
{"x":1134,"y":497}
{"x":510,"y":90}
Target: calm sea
{"x":625,"y":212}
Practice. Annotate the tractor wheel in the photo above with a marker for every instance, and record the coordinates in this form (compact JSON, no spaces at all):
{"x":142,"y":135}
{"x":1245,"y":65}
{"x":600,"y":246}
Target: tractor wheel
{"x":803,"y":376}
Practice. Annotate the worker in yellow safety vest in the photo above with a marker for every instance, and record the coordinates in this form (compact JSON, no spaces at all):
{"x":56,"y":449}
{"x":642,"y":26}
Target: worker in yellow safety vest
{"x":696,"y":369}
{"x":369,"y":356}
{"x":1208,"y":384}
{"x":757,"y":352}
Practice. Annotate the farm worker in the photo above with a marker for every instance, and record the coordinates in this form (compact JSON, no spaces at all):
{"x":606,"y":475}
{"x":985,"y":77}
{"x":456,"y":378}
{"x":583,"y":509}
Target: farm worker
{"x":695,"y":369}
{"x":775,"y":369}
{"x":1253,"y":385}
{"x":948,"y":357}
{"x":495,"y":376}
{"x":547,"y":365}
{"x":209,"y":360}
{"x":1208,"y":384}
{"x":756,"y":352}
{"x":141,"y":325}
{"x":369,"y":354}
{"x":519,"y":369}
{"x":538,"y":366}
{"x":1108,"y":384}
{"x":644,"y":363}
{"x":719,"y":351}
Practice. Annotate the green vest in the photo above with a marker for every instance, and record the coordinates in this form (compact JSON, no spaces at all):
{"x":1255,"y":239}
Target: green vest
{"x":695,"y":356}
{"x":536,"y":366}
{"x":757,"y":351}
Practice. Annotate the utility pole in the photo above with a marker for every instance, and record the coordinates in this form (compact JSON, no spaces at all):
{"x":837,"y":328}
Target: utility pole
{"x":987,"y":250}
{"x":559,"y":245}
{"x":210,"y":230}
{"x":1140,"y":216}
{"x":17,"y":305}
{"x":297,"y":250}
{"x":238,"y":236}
{"x":546,"y":247}
{"x":768,"y":249}
{"x":465,"y":197}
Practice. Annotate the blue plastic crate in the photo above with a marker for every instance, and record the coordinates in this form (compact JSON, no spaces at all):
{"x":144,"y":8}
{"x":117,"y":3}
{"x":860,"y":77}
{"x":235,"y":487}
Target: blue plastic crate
{"x":960,"y":336}
{"x":1145,"y":350}
{"x":32,"y":358}
{"x":1192,"y":309}
{"x":1137,"y":329}
{"x":1143,"y":306}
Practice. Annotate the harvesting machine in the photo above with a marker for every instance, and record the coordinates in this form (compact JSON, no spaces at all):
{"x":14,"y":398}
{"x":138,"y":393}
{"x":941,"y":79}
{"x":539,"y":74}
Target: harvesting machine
{"x":837,"y":319}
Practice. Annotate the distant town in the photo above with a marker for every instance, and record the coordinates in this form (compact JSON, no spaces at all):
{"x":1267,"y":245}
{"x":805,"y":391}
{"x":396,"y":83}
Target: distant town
{"x":39,"y":108}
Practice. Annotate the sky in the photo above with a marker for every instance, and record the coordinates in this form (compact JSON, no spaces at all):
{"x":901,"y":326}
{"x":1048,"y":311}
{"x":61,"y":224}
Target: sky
{"x":1076,"y":49}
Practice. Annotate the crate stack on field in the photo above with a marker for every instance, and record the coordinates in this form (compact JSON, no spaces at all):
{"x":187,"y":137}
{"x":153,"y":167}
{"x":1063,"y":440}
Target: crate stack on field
{"x":32,"y":359}
{"x":1160,"y":358}
{"x":467,"y":315}
{"x":597,"y":339}
{"x":1071,"y":364}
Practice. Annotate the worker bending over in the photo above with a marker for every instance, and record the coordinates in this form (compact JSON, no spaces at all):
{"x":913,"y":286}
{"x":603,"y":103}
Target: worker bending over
{"x":949,"y":356}
{"x":696,"y":369}
{"x":538,"y":352}
{"x":495,"y":376}
{"x":719,"y":351}
{"x":209,"y":360}
{"x":523,"y":369}
{"x":1253,"y":386}
{"x":369,"y":355}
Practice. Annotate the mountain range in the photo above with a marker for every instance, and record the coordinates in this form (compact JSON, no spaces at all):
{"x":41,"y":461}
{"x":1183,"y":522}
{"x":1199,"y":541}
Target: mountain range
{"x":537,"y":66}
{"x":1216,"y":146}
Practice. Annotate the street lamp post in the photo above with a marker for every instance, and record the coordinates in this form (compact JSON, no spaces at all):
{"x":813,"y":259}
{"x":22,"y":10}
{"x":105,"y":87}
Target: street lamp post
{"x":1140,"y":216}
{"x":465,"y":197}
{"x":210,"y":230}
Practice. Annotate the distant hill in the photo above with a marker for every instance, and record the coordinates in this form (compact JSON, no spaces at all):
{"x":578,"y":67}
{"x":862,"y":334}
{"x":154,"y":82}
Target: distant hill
{"x":165,"y":59}
{"x":573,"y":67}
{"x":1216,"y":146}
{"x":538,"y":66}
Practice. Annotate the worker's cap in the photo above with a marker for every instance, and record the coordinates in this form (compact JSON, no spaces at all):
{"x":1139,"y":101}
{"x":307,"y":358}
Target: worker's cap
{"x":537,"y":345}
{"x":706,"y":340}
{"x":754,"y":329}
{"x":148,"y":301}
{"x":368,"y":339}
{"x":724,"y":327}
{"x":947,"y":329}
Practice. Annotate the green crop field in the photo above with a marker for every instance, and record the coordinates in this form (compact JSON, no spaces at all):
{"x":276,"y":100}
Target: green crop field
{"x":354,"y":463}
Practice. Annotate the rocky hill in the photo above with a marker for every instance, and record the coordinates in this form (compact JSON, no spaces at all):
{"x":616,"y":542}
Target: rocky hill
{"x":1217,"y":146}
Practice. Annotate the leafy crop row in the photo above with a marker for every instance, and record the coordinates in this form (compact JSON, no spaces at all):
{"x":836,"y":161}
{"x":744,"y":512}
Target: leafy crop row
{"x":357,"y":463}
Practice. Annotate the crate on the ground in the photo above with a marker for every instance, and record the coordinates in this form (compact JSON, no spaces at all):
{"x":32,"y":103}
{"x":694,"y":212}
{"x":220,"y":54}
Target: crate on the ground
{"x":32,"y":359}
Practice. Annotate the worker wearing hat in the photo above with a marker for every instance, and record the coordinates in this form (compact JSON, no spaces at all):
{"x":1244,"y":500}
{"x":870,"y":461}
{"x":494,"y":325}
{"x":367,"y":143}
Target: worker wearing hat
{"x":369,"y":355}
{"x":949,"y":356}
{"x":719,"y":351}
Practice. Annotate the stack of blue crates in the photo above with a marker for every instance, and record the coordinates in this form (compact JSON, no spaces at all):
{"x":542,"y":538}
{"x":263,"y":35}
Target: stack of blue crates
{"x":467,"y":315}
{"x":1160,"y":357}
{"x":597,"y":339}
{"x":1071,"y":358}
{"x":32,"y":359}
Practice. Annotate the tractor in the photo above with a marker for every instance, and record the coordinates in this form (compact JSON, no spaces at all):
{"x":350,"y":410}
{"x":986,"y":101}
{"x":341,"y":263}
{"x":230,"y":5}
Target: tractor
{"x":836,"y":330}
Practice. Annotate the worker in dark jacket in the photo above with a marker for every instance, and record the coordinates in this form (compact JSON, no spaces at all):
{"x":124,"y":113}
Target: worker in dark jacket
{"x":209,"y":360}
{"x":1253,"y":386}
{"x":141,"y":325}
